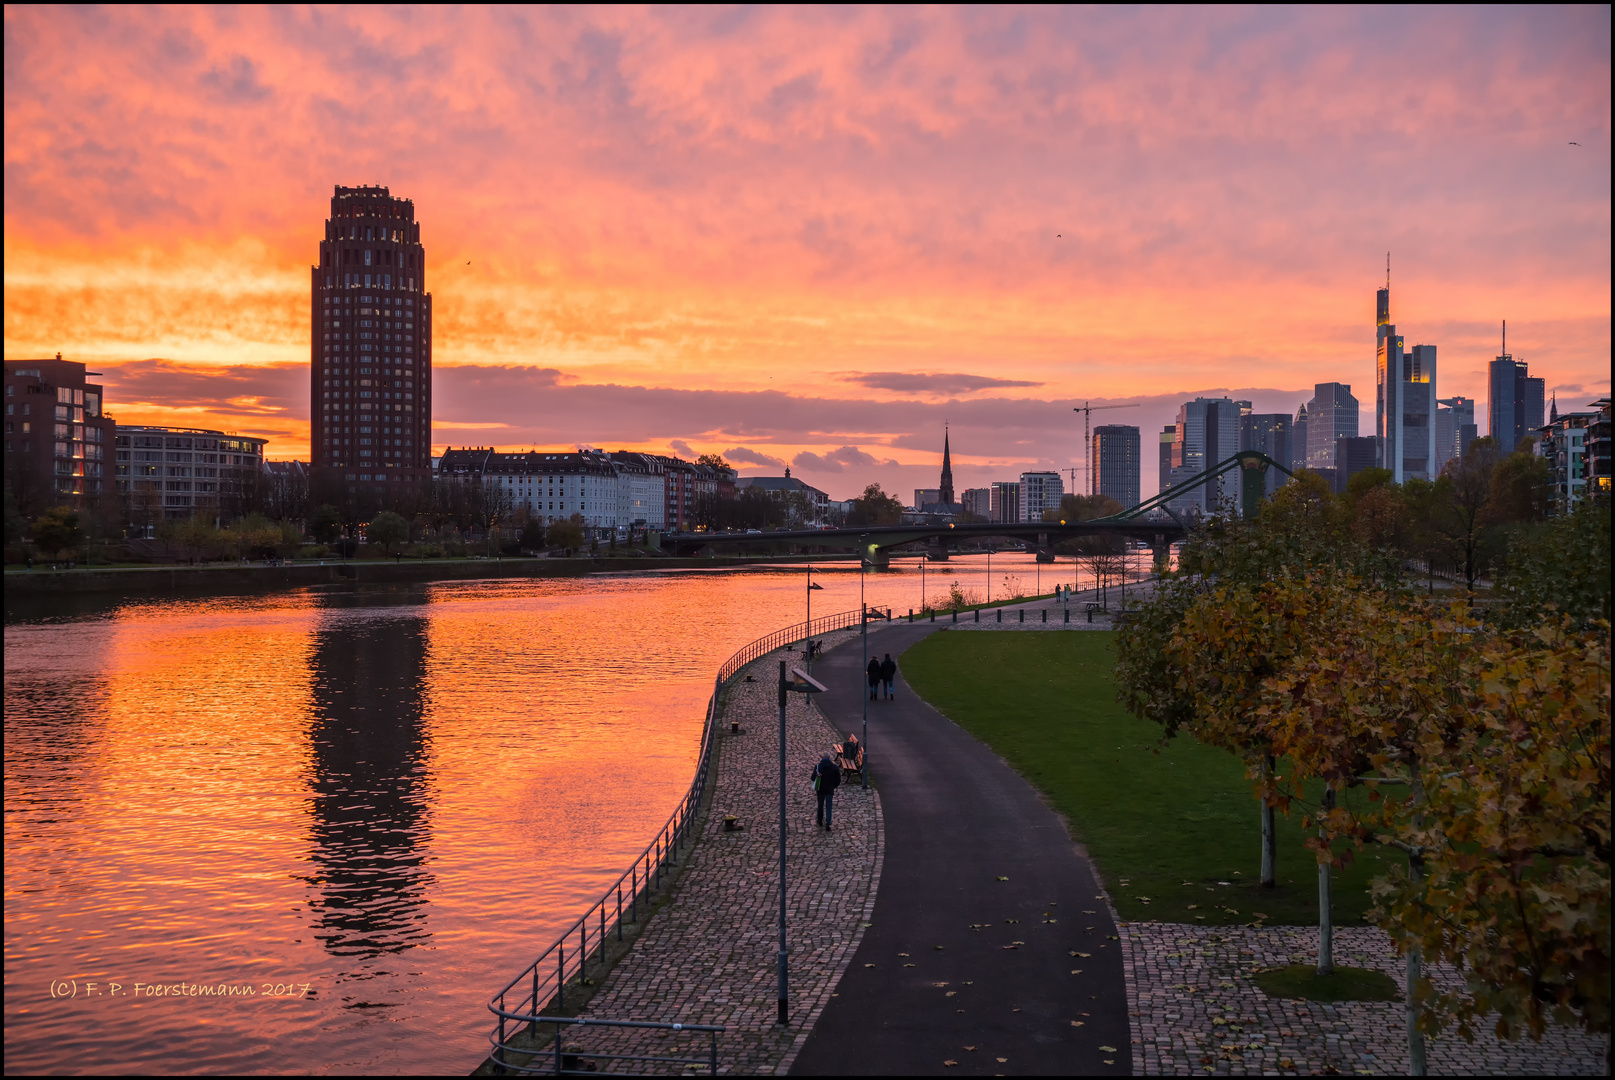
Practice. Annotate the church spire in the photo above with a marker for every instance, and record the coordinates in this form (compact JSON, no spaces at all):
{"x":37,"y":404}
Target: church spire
{"x":1553,"y":413}
{"x":947,"y":469}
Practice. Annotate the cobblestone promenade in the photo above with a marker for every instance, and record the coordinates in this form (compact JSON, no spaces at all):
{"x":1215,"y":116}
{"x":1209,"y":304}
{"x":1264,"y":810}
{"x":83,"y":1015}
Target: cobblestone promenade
{"x":709,"y":956}
{"x":1196,"y":1010}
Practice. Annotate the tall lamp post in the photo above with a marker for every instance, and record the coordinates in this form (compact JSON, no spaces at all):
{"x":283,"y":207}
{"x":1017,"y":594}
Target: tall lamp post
{"x":802,"y":683}
{"x":810,"y":588}
{"x":989,"y":574}
{"x":863,"y":619}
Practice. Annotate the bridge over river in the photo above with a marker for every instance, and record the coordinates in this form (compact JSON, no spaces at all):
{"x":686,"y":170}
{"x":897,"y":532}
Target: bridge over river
{"x":1152,"y":521}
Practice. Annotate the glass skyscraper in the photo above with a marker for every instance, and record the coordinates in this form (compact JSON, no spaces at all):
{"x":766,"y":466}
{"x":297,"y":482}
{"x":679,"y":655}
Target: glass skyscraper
{"x":1404,"y":401}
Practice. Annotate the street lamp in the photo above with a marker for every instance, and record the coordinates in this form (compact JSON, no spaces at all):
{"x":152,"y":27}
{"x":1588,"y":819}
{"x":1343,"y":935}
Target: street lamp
{"x":863,"y":629}
{"x":801,"y":683}
{"x":989,"y":574}
{"x":810,"y":587}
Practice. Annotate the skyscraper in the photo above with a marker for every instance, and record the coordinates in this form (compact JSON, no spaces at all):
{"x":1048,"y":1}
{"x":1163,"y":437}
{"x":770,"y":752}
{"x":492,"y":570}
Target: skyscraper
{"x":1298,"y":440}
{"x":1517,"y":400}
{"x":1331,"y":416}
{"x":1115,"y":458}
{"x":1168,"y":436}
{"x":1404,"y":400}
{"x":1455,"y":430}
{"x":371,"y":376}
{"x":1207,"y":433}
{"x":1271,"y":434}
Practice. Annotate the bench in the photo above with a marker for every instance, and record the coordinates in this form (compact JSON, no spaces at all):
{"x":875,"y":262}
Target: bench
{"x":855,"y":764}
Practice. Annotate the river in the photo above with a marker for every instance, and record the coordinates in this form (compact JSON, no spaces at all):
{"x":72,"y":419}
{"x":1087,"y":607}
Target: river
{"x":383,"y":801}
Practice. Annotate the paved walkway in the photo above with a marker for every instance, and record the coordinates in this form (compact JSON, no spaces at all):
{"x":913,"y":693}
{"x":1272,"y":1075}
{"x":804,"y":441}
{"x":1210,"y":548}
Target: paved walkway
{"x":992,"y":951}
{"x":1196,"y":1010}
{"x":709,"y":956}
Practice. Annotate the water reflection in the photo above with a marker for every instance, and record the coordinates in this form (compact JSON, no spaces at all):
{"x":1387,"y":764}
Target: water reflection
{"x":370,"y":783}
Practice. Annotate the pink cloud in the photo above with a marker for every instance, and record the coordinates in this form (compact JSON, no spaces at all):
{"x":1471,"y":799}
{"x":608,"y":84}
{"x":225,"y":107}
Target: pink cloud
{"x":1094,"y":201}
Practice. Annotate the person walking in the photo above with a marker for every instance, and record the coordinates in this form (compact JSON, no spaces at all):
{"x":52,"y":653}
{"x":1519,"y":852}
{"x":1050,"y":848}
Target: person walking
{"x":888,"y":672}
{"x":826,"y":778}
{"x":873,"y":671}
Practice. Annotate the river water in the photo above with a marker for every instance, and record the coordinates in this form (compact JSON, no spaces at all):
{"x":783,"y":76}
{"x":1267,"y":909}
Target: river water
{"x":377,"y":804}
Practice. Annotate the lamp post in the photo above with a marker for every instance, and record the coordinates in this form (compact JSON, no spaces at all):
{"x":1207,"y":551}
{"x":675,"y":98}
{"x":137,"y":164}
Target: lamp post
{"x":989,"y":574}
{"x":863,"y":629}
{"x":800,"y":683}
{"x":810,"y":588}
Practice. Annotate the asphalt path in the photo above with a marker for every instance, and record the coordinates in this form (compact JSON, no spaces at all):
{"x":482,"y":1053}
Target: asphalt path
{"x":989,"y":940}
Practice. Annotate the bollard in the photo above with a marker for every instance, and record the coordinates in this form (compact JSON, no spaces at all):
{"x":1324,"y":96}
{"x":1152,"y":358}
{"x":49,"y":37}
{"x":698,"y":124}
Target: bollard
{"x":933,"y":615}
{"x":1067,"y":615}
{"x":1045,"y":614}
{"x":910,"y":614}
{"x":1090,"y":614}
{"x":1000,"y":614}
{"x":978,"y":614}
{"x":955,"y":614}
{"x":1023,"y":614}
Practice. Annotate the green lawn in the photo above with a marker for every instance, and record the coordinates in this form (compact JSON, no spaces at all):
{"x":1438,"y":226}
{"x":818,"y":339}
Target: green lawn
{"x":1177,"y":824}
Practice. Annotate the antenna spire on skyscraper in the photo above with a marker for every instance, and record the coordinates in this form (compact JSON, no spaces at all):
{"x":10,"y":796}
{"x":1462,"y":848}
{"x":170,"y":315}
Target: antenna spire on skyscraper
{"x":1387,"y":270}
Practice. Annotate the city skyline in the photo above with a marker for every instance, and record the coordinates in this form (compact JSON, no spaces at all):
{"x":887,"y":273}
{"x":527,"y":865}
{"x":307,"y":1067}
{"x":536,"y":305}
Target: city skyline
{"x":872,"y":278}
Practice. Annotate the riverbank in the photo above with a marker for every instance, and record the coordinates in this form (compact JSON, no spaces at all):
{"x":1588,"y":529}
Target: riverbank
{"x":708,"y":956}
{"x":238,"y":577}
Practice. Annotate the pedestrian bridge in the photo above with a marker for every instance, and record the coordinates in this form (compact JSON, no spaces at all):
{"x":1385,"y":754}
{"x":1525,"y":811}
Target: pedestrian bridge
{"x":1151,"y":521}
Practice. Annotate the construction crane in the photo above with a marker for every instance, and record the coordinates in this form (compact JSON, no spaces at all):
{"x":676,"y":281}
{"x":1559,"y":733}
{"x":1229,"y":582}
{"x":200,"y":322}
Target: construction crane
{"x":1087,"y":438}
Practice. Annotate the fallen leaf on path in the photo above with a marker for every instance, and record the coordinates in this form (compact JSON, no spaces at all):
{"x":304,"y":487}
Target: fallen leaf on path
{"x":869,"y":965}
{"x":1076,"y":971}
{"x":1084,"y":955}
{"x":1108,"y":1049}
{"x":950,"y":1061}
{"x":1002,"y":878}
{"x":1077,"y":1023}
{"x":1003,"y":1059}
{"x":908,"y":965}
{"x":952,"y":992}
{"x":1085,"y":911}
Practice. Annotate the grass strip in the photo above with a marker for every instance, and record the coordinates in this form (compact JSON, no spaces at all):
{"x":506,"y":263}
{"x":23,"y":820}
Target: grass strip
{"x":1173,"y":829}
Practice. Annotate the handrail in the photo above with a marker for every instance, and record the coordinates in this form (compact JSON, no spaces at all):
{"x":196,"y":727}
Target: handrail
{"x":549,"y":972}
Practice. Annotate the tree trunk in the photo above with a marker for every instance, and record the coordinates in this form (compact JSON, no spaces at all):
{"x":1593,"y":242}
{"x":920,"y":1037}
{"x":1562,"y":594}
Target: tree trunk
{"x":1270,"y":840}
{"x":1326,"y":921}
{"x":1416,"y":1061}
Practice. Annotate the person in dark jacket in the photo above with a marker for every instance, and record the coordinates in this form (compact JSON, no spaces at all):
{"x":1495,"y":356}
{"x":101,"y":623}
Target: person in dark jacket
{"x":888,"y":672}
{"x":874,"y":677}
{"x":826,"y":778}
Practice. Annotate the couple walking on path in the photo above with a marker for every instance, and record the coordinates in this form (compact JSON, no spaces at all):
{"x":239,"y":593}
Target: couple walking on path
{"x":881,"y":674}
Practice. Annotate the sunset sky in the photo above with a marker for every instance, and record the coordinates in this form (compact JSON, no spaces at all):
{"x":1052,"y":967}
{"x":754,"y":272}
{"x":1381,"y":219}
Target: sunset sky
{"x":811,"y":236}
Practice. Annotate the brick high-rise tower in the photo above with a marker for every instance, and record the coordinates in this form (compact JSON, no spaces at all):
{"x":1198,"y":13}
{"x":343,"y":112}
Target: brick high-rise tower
{"x":371,"y":375}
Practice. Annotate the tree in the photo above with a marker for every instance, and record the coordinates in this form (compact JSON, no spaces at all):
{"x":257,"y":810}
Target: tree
{"x":712,"y":461}
{"x":875,"y":507}
{"x":567,"y":534}
{"x":57,"y":530}
{"x":1561,"y":567}
{"x":15,"y":523}
{"x":1521,"y":489}
{"x":532,"y":534}
{"x":326,"y":525}
{"x":1083,"y":508}
{"x":388,"y":531}
{"x":1460,"y":510}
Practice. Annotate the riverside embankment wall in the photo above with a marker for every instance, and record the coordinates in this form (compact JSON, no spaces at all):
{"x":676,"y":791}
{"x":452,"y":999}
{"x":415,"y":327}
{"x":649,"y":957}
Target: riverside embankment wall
{"x":159,"y":580}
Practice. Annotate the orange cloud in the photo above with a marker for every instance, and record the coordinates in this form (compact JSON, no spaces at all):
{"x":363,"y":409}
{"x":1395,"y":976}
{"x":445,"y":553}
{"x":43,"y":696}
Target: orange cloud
{"x":1100,"y":202}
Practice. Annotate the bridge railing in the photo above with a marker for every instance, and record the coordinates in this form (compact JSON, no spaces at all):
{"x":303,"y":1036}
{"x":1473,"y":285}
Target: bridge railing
{"x":538,"y":993}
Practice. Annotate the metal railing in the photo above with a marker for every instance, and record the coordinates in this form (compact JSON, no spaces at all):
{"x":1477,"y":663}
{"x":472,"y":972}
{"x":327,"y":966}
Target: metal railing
{"x":791,"y":634}
{"x":581,"y":949}
{"x":580,"y":1061}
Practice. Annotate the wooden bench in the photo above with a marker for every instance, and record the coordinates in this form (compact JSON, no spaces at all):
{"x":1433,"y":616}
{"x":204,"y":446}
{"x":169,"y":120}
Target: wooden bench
{"x":855,"y":764}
